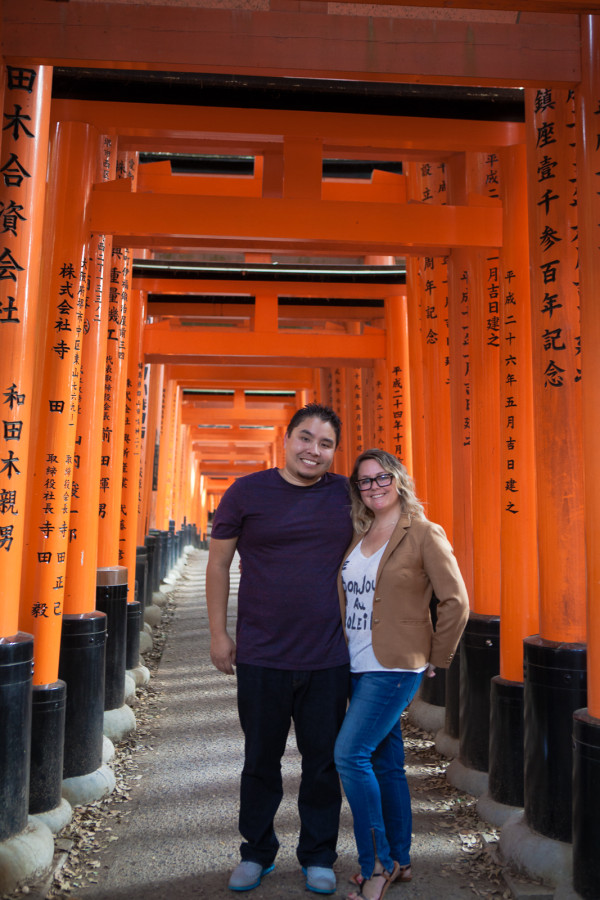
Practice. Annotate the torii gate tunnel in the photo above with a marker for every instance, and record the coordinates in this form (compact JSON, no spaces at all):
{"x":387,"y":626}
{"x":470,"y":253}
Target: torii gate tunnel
{"x":394,"y":211}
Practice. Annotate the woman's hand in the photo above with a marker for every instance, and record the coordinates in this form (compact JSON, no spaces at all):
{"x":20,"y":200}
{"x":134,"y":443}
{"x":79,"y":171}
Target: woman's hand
{"x":430,"y":671}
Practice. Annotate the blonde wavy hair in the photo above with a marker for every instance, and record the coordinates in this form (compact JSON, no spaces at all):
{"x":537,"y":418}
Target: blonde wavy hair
{"x":362,"y":517}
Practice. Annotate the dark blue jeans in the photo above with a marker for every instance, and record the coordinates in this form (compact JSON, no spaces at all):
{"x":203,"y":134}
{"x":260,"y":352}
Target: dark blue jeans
{"x":268,"y":701}
{"x":369,"y":755}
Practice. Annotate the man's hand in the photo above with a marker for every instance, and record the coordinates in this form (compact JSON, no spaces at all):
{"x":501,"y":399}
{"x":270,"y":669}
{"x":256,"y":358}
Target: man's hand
{"x":222,"y":653}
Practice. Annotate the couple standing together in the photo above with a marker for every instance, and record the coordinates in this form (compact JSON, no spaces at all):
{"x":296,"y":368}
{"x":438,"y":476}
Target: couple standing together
{"x":309,"y":549}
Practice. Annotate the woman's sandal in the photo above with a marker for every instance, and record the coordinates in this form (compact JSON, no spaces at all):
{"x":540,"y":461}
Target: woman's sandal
{"x":404,"y":875}
{"x":389,"y":878}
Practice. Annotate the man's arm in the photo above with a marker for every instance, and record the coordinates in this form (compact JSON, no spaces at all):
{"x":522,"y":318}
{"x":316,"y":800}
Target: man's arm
{"x":222,"y":648}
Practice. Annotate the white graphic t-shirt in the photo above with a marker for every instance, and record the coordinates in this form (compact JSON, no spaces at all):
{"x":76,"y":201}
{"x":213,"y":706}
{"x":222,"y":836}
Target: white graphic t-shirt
{"x":358,"y":580}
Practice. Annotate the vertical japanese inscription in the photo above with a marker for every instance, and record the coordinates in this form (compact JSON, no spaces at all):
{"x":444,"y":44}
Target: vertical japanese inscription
{"x":18,"y":137}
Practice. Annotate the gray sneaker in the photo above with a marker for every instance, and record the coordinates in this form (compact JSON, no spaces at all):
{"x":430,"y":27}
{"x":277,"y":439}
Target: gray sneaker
{"x":319,"y":879}
{"x":247,"y":875}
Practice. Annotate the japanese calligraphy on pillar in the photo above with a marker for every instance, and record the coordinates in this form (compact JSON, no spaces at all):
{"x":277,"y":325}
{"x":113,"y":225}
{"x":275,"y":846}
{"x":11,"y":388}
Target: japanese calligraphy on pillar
{"x":556,"y":269}
{"x":22,"y":173}
{"x":397,"y":397}
{"x":81,"y":566}
{"x":53,"y":514}
{"x":465,"y":340}
{"x":513,"y":312}
{"x":357,"y":408}
{"x":556,"y":360}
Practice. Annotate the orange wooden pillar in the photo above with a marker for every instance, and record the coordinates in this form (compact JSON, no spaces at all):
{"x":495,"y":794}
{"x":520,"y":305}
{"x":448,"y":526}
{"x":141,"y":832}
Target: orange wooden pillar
{"x":355,"y":405}
{"x":394,"y":429}
{"x":343,"y":461}
{"x":80,"y":586}
{"x":153,"y":394}
{"x":586,"y":721}
{"x":519,"y":565}
{"x":82,"y":653}
{"x":416,"y":383}
{"x":113,"y":587}
{"x":378,"y":387}
{"x":475,"y":326}
{"x":555,"y":660}
{"x":47,"y":539}
{"x":130,"y":483}
{"x":480,"y":651}
{"x":47,"y":529}
{"x":461,"y":296}
{"x":27,"y":92}
{"x":427,"y":283}
{"x":168,"y":430}
{"x":398,"y":379}
{"x":519,"y":562}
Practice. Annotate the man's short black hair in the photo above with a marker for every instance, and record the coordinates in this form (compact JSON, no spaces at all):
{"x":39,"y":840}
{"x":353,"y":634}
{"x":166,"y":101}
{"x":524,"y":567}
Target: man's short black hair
{"x":316,"y":410}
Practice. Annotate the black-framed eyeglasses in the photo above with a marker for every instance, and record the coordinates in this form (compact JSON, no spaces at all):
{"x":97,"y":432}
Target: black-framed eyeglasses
{"x":382,"y":480}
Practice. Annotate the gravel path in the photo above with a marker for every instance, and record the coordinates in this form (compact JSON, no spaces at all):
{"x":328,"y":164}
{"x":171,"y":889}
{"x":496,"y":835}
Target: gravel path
{"x":169,"y":830}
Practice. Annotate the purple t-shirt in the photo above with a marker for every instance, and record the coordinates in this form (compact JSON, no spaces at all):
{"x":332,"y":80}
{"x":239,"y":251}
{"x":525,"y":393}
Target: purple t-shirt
{"x":291,"y":541}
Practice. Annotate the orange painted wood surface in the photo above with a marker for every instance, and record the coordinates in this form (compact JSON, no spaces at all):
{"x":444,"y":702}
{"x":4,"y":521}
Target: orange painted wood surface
{"x":588,"y":171}
{"x":134,"y":219}
{"x":288,"y":43}
{"x":556,"y":365}
{"x":519,"y":601}
{"x":171,"y":345}
{"x":26,"y":91}
{"x":48,"y":538}
{"x":80,"y":585}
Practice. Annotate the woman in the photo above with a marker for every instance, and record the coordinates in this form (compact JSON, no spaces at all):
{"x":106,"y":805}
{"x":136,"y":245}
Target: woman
{"x":395,"y":563}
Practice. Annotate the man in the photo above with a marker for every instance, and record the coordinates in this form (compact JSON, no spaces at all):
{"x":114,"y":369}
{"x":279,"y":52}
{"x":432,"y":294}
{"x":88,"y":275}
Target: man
{"x":291,"y":527}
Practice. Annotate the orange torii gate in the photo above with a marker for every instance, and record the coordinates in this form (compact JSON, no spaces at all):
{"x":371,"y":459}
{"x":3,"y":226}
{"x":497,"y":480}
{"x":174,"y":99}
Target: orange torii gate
{"x":317,"y":217}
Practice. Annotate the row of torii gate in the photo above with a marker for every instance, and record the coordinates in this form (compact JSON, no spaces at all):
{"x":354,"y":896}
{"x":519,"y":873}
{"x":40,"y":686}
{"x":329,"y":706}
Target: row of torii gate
{"x":139,"y":377}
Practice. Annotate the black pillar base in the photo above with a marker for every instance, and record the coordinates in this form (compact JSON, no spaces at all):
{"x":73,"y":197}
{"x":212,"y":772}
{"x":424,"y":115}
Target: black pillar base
{"x":16,"y":665}
{"x":111,"y":598}
{"x":141,"y":577}
{"x":452,"y":719}
{"x":134,"y":619}
{"x":586,"y":803}
{"x":555,"y":686}
{"x":81,"y":666}
{"x":433,"y":690}
{"x":152,"y":583}
{"x":47,"y":746}
{"x":479,"y":662}
{"x":506,"y":742}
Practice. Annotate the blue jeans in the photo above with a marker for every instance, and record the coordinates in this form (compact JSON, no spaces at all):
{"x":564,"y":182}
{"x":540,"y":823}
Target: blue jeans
{"x":369,"y":755}
{"x":268,"y":701}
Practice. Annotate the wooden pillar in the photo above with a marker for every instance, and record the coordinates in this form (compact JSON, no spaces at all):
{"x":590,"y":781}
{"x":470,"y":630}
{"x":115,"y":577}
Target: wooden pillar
{"x":80,"y":583}
{"x":519,"y":565}
{"x":132,"y":441}
{"x":417,"y":389}
{"x":115,"y":386}
{"x":398,"y":379}
{"x":474,"y":303}
{"x":586,"y":721}
{"x":380,"y":426}
{"x":26,"y":105}
{"x":355,"y":406}
{"x":27,"y":93}
{"x":343,"y":458}
{"x":519,"y":561}
{"x":426,"y":280}
{"x":168,"y":443}
{"x":559,"y":647}
{"x":153,"y":392}
{"x":47,"y":540}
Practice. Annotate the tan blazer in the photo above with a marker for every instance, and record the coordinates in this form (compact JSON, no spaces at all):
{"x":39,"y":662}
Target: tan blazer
{"x":417,"y":561}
